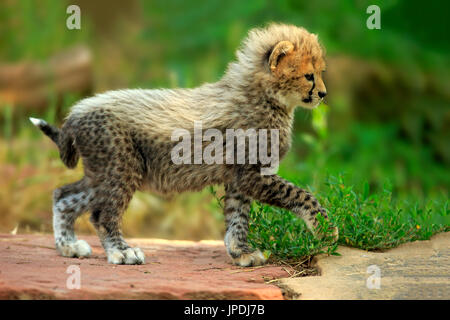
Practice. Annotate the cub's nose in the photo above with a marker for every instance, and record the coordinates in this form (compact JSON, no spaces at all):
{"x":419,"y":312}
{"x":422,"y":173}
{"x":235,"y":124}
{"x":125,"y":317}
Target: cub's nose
{"x":322,"y":94}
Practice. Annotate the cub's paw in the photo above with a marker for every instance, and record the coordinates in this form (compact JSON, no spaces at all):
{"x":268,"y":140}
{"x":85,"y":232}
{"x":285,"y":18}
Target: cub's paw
{"x":335,"y":233}
{"x":332,"y":233}
{"x":77,"y":249}
{"x":127,"y":256}
{"x":251,"y":259}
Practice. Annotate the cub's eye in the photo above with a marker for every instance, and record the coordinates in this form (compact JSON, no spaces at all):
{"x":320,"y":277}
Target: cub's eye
{"x":309,"y":76}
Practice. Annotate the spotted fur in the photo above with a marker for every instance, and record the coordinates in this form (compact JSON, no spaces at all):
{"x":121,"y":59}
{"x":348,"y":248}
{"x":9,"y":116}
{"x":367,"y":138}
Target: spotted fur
{"x":124,"y":139}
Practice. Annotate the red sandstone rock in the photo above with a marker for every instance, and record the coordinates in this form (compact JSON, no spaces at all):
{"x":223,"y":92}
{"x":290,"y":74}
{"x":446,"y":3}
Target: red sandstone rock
{"x":30,"y":268}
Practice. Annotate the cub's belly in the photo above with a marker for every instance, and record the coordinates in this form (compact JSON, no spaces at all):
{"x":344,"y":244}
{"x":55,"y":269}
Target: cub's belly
{"x":171,"y":178}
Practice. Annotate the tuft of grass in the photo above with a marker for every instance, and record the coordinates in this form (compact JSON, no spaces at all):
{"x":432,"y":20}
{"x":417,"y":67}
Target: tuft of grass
{"x":379,"y":221}
{"x":367,"y":221}
{"x":284,"y":235}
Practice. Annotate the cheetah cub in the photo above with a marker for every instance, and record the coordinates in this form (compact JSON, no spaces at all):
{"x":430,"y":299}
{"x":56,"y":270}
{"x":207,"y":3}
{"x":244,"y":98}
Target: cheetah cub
{"x":125,"y":140}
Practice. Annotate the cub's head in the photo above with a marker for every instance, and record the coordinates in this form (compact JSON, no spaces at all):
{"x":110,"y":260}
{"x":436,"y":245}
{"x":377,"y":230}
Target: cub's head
{"x":296,"y":72}
{"x":288,"y":62}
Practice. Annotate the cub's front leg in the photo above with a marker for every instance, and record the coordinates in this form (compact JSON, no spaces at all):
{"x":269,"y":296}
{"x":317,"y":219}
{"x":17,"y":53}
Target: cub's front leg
{"x":274,"y":190}
{"x":237,"y":207}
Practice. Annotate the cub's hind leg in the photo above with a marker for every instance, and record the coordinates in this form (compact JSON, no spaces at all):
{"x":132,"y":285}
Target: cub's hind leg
{"x":114,"y":160}
{"x":107,"y":211}
{"x":69,"y":202}
{"x":237,"y":207}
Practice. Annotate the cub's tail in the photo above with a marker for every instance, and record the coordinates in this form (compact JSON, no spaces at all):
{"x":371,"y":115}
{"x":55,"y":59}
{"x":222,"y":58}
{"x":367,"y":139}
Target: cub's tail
{"x":68,"y":153}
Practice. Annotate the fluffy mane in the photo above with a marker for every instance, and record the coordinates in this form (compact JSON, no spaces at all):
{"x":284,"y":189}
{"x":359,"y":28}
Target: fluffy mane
{"x":254,"y":52}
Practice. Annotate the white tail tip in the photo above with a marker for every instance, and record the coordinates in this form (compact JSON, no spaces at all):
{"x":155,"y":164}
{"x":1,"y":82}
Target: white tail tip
{"x":37,"y":122}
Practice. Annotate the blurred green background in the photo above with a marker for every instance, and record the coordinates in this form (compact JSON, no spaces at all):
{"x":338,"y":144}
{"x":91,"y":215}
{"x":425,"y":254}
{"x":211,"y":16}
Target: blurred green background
{"x":386,"y":119}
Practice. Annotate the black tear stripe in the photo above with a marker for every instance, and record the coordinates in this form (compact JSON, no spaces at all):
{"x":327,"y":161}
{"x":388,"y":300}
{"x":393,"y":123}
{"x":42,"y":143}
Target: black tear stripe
{"x":311,"y":91}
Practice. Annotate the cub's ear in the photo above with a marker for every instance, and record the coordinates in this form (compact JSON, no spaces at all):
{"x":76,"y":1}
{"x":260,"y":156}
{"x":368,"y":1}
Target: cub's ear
{"x":281,"y":49}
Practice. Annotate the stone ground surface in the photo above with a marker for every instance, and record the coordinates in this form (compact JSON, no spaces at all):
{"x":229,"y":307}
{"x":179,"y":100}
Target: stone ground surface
{"x":31,"y":269}
{"x":416,"y":270}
